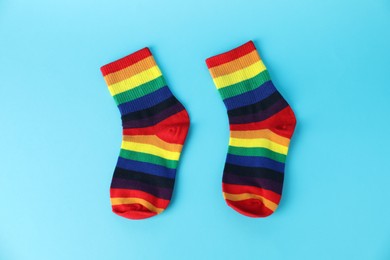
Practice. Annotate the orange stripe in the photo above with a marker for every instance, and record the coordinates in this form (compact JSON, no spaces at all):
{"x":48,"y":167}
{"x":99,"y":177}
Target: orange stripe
{"x":246,"y":196}
{"x":130,"y":71}
{"x":262,"y":133}
{"x":237,"y":189}
{"x":145,"y":203}
{"x":125,"y":193}
{"x":153,"y":140}
{"x":235,"y":65}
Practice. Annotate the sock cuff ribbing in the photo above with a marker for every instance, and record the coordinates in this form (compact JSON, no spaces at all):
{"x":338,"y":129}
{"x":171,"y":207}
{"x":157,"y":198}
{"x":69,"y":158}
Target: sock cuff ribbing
{"x":238,"y":71}
{"x":231,"y":55}
{"x":132,"y":77}
{"x":126,"y":61}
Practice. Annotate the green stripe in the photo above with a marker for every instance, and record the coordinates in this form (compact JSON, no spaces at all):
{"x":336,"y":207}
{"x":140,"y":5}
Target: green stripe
{"x":149,"y":158}
{"x":263,"y":152}
{"x":245,"y":86}
{"x":140,"y":91}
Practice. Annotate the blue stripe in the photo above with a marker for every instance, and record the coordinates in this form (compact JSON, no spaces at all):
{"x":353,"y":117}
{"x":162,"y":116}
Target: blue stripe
{"x":250,"y":97}
{"x":145,"y":167}
{"x":146,"y":101}
{"x":257,"y":162}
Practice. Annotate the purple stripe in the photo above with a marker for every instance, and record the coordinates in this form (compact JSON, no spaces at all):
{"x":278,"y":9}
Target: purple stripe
{"x":149,"y":121}
{"x":257,"y":182}
{"x":261,"y":115}
{"x":163,"y":193}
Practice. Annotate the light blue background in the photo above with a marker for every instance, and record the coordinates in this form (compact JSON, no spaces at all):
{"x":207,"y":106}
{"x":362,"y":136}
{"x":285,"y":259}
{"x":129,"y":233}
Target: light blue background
{"x":60,"y":131}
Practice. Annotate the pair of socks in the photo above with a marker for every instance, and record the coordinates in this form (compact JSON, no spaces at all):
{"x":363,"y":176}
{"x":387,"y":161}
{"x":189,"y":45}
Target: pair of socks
{"x":155,"y":126}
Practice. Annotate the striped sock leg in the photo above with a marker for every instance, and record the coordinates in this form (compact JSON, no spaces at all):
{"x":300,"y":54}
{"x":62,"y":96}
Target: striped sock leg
{"x":261,"y":125}
{"x":155,"y":125}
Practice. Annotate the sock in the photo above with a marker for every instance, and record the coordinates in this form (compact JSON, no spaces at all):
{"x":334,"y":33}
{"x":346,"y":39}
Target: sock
{"x":155,"y":126}
{"x":261,"y":125}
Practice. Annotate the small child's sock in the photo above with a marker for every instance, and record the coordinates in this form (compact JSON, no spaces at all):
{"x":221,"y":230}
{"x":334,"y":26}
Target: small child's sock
{"x":261,"y":125}
{"x":155,"y":125}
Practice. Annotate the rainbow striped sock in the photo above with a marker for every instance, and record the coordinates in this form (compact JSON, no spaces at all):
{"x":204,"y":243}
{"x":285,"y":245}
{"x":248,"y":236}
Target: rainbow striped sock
{"x":155,"y":125}
{"x":261,"y":126}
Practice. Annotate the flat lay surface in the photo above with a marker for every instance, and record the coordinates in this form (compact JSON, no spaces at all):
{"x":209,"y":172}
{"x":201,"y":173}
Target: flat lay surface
{"x":61,"y":130}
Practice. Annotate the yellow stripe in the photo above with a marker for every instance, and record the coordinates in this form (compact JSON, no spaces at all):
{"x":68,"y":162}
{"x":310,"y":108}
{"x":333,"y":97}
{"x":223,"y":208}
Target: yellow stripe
{"x":260,"y":142}
{"x":145,"y":203}
{"x":243,"y":196}
{"x":261,"y":133}
{"x":239,"y":75}
{"x":150,"y":149}
{"x":153,"y":140}
{"x":135,"y":81}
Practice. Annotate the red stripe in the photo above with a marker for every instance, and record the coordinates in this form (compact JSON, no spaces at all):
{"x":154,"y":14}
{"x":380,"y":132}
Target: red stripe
{"x":170,"y":130}
{"x":230,"y":55}
{"x":126,"y":193}
{"x":251,"y":207}
{"x":281,"y":123}
{"x":133,"y":211}
{"x":237,"y":189}
{"x":125,"y":61}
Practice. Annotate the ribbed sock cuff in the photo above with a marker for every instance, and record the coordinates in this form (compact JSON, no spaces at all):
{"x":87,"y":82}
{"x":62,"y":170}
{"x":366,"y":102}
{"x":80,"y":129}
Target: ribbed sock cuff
{"x":126,"y":61}
{"x":237,"y":71}
{"x":231,"y":55}
{"x":133,"y":77}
